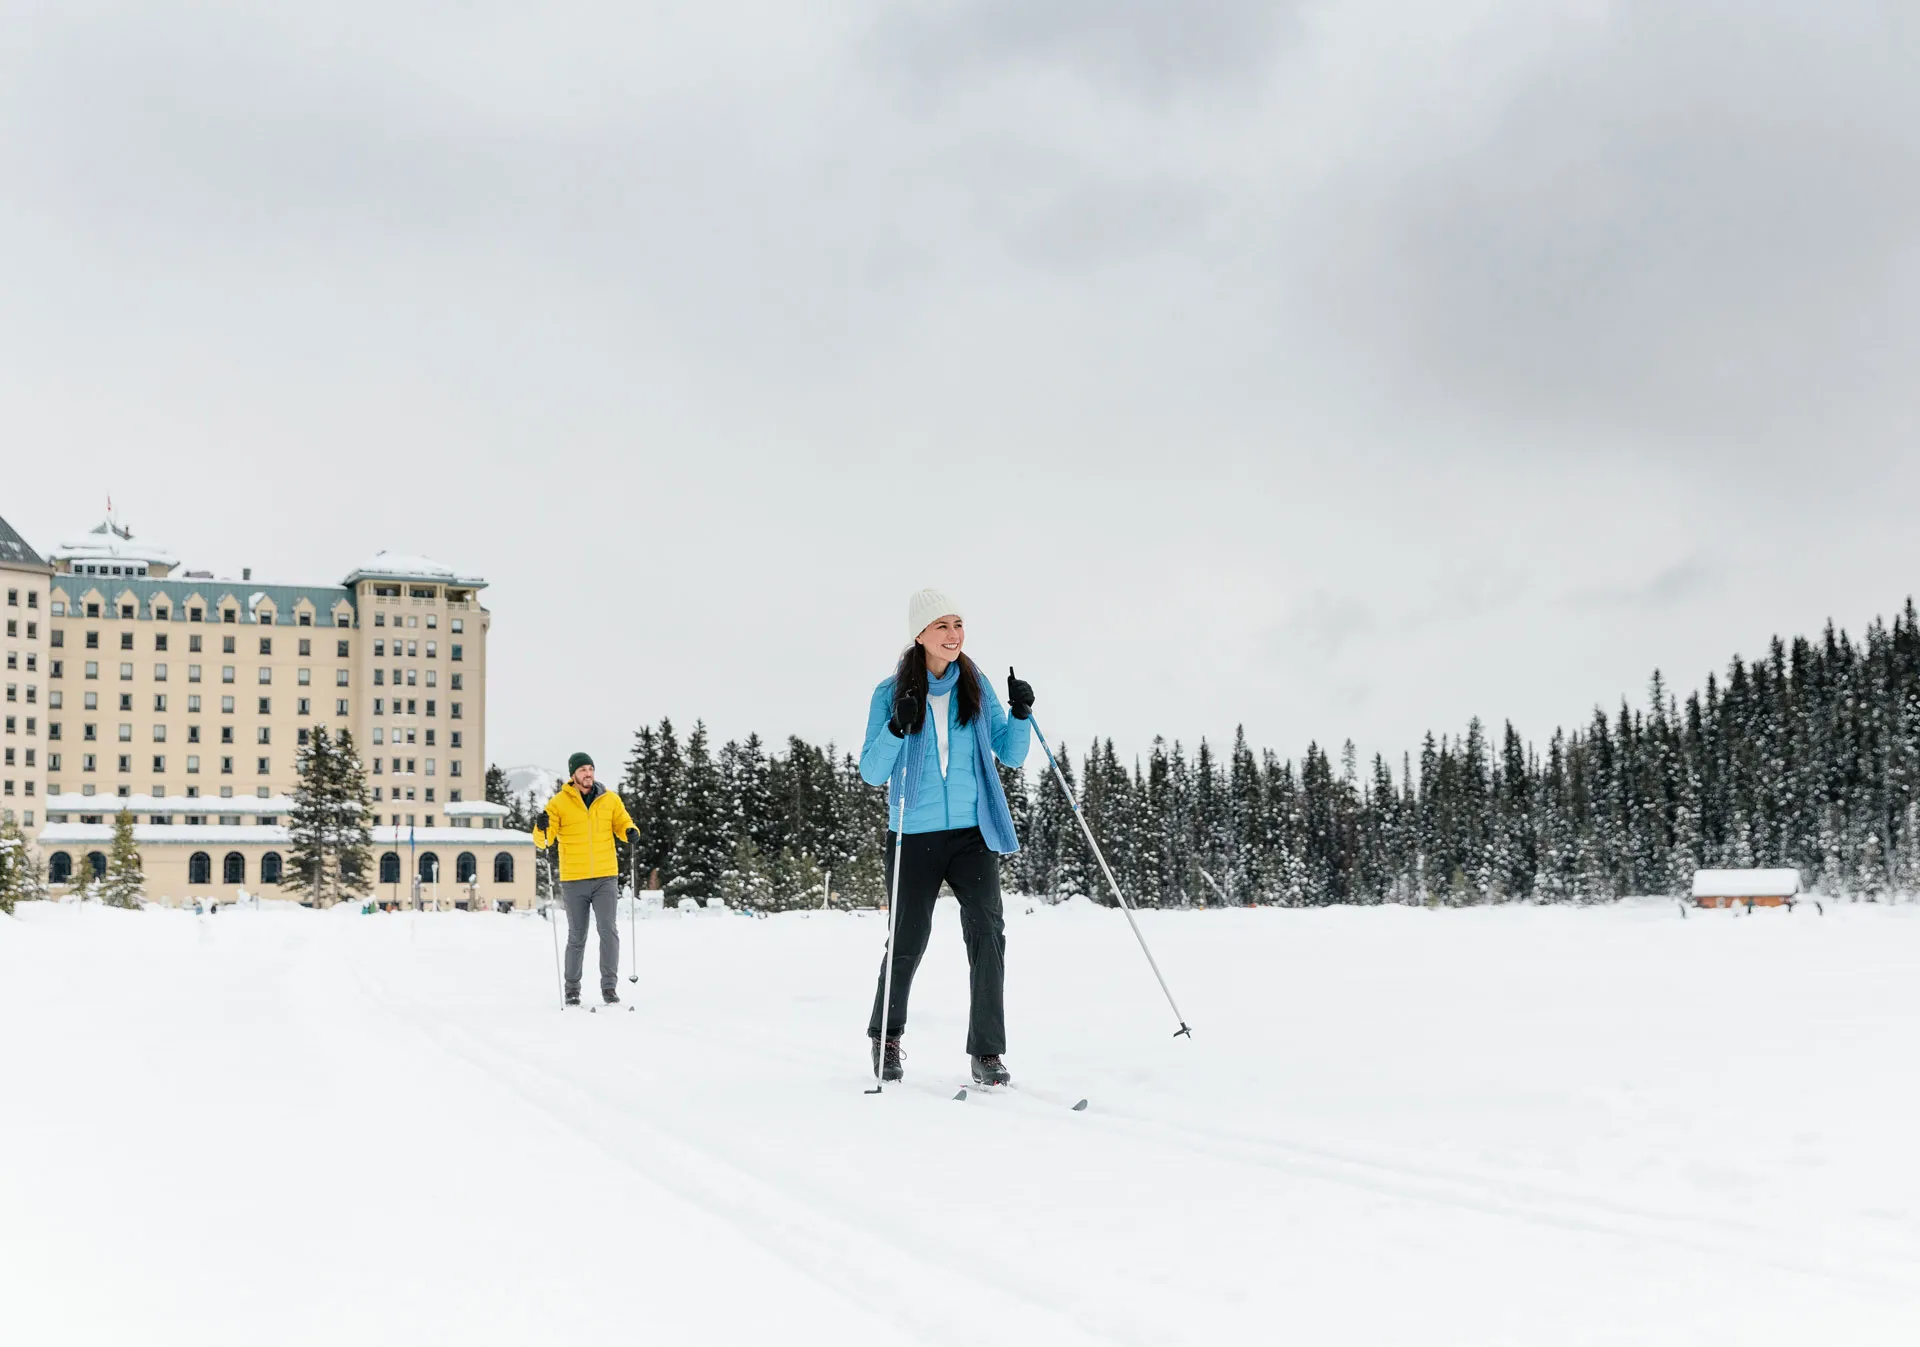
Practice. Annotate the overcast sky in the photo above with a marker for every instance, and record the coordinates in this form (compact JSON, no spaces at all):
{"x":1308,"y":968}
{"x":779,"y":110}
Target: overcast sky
{"x":1345,"y":369}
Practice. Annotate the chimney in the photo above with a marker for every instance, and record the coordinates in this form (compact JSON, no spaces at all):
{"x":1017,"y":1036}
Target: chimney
{"x":246,"y":573}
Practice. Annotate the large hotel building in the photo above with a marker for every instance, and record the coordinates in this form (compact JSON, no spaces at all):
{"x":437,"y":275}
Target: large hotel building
{"x":133,"y":683}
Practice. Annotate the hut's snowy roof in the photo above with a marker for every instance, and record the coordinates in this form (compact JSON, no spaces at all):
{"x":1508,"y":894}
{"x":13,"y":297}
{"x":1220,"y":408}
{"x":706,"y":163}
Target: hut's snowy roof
{"x":405,"y":566}
{"x":15,"y":550}
{"x":1745,"y":883}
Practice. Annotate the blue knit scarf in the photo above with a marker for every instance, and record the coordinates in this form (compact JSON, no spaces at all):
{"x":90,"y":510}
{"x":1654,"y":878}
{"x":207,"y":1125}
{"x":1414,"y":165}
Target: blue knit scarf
{"x":994,"y":818}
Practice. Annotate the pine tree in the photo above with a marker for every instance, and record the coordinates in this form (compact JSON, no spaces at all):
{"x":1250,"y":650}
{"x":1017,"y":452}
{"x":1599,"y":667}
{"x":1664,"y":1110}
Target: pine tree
{"x":330,"y":851}
{"x":19,"y":868}
{"x":496,"y":785}
{"x":124,"y":883}
{"x":702,"y":844}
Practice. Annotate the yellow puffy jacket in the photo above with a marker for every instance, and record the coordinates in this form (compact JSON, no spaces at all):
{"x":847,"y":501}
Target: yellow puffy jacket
{"x":588,"y":831}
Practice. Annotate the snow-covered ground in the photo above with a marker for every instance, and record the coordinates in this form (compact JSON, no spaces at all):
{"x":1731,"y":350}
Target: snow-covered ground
{"x":1509,"y":1126}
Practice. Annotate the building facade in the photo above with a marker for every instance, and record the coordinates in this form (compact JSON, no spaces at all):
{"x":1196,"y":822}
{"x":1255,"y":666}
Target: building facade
{"x":184,"y":698}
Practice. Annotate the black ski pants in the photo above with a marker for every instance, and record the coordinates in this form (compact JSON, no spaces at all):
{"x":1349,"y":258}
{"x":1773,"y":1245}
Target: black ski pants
{"x":961,"y":858}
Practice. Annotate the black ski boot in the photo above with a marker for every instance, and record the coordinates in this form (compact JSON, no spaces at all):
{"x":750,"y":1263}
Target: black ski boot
{"x":610,"y":996}
{"x":573,"y":996}
{"x":990,"y":1070}
{"x":892,"y":1070}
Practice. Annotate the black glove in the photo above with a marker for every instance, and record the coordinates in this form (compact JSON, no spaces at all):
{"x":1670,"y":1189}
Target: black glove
{"x":909,"y":710}
{"x":1019,"y":696}
{"x":540,"y":821}
{"x":633,"y":834}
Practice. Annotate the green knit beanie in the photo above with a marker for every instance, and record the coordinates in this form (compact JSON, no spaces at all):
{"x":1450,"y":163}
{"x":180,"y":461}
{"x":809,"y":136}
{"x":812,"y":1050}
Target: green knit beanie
{"x":577,"y":761}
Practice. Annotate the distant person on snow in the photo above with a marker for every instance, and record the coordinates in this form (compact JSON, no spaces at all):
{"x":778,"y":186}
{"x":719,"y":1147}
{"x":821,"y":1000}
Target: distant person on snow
{"x":588,"y":821}
{"x":934,"y":730}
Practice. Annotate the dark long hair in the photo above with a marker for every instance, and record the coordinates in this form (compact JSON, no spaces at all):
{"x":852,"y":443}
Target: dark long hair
{"x":912,"y":673}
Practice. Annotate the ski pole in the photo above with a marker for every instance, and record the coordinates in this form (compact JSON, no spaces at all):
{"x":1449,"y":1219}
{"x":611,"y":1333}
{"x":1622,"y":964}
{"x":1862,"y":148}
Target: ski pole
{"x":1107,"y":870}
{"x":553,"y":928}
{"x":893,"y":915}
{"x":633,"y":913}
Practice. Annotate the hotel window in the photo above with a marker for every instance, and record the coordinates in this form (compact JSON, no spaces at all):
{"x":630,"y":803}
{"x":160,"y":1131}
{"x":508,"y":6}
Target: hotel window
{"x":161,"y":615}
{"x":413,"y":650}
{"x":89,"y":731}
{"x":306,"y":646}
{"x":226,"y":734}
{"x":410,"y":705}
{"x":159,"y":762}
{"x":433,"y":678}
{"x":93,"y":669}
{"x":339,"y":678}
{"x":304,"y":678}
{"x":379,"y":619}
{"x":226,"y":673}
{"x":88,"y":762}
{"x":340,"y":707}
{"x":453,"y":739}
{"x":304,"y":706}
{"x":430,"y":766}
{"x":433,"y":619}
{"x":226,"y":767}
{"x":160,"y":641}
{"x":93,"y":640}
{"x":263,"y":735}
{"x":266,"y":674}
{"x":377,"y":765}
{"x":341,"y":649}
{"x":159,"y":734}
{"x":159,"y":701}
{"x":306,"y":619}
{"x":193,"y":673}
{"x":53,"y":730}
{"x":229,"y":615}
{"x":266,"y":645}
{"x":455,"y":653}
{"x":262,"y":767}
{"x":126,"y":640}
{"x":126,"y":673}
{"x":193,"y":764}
{"x":193,"y":644}
{"x":453,"y":768}
{"x":91,"y":700}
{"x":380,"y":649}
{"x":266,"y":706}
{"x":126,"y":609}
{"x":379,"y":706}
{"x":226,"y":645}
{"x":193,"y":734}
{"x":226,"y":705}
{"x":413,"y":677}
{"x":57,"y":637}
{"x":379,"y":678}
{"x":379,"y":735}
{"x":193,"y":703}
{"x":159,"y":673}
{"x":126,"y":734}
{"x":124,"y":762}
{"x":93,"y":610}
{"x":432,"y":648}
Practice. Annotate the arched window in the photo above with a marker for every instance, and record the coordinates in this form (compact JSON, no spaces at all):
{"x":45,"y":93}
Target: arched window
{"x":429,"y":866}
{"x":199,"y":868}
{"x":389,"y":867}
{"x":233,"y":870}
{"x":503,"y":868}
{"x":270,"y":868}
{"x":59,"y":868}
{"x":98,"y":861}
{"x":464,"y":867}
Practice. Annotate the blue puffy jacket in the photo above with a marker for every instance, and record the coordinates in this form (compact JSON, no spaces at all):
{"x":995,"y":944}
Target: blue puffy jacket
{"x":953,"y":801}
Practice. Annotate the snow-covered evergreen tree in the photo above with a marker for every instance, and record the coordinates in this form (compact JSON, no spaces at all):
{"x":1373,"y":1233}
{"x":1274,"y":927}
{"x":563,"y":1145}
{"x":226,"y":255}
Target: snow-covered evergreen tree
{"x":123,"y":883}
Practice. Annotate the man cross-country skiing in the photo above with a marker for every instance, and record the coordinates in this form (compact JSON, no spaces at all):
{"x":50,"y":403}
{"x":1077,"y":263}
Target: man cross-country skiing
{"x":587,"y":821}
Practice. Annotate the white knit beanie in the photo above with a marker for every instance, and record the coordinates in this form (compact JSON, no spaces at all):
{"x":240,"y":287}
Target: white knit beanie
{"x":926,"y":607}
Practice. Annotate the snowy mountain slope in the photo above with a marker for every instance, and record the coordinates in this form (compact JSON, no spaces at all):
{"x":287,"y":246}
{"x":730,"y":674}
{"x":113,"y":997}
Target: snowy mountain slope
{"x":542,"y":782}
{"x":1505,"y":1126}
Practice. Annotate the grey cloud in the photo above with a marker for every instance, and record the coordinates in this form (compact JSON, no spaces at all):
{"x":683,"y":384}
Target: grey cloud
{"x":1139,"y":47}
{"x":1692,"y":223}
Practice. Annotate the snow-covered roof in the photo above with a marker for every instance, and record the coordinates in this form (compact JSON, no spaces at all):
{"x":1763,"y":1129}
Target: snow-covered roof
{"x":1745,"y":883}
{"x":182,"y":834}
{"x":14,"y":550}
{"x":70,"y":803}
{"x":405,"y":566}
{"x":475,"y":809}
{"x":108,"y":541}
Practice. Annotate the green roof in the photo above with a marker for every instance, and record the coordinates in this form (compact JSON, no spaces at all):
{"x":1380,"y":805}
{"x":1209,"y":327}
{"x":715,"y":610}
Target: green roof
{"x":218,"y":594}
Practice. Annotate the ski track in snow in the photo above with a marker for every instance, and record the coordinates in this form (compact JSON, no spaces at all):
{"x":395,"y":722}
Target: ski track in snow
{"x":1514,"y":1126}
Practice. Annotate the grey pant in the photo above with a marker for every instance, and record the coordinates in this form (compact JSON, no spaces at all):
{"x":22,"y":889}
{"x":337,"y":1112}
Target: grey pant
{"x":603,"y":896}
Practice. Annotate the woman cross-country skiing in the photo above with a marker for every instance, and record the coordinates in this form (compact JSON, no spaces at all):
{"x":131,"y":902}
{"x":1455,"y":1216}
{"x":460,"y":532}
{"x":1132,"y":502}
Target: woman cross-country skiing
{"x":934,"y":730}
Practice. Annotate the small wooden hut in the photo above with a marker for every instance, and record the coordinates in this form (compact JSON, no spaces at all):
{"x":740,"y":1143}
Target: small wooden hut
{"x":1746,"y":888}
